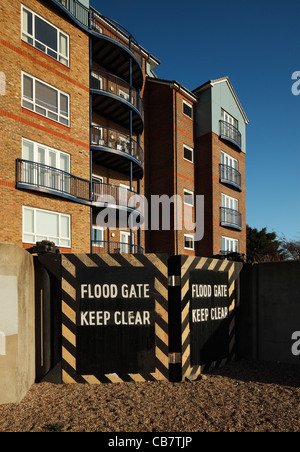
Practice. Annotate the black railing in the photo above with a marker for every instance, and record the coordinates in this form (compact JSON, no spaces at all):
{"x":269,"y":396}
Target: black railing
{"x":108,"y":194}
{"x":230,"y":175}
{"x":77,"y":10}
{"x":48,"y":179}
{"x":113,"y":85}
{"x":231,"y":133}
{"x":115,"y":248}
{"x":115,"y":31}
{"x":51,"y":179}
{"x":91,"y":19}
{"x":231,"y":218}
{"x":115,"y":140}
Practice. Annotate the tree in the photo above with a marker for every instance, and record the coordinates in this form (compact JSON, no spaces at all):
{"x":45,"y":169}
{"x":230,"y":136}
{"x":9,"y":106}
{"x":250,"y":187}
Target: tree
{"x":291,"y":248}
{"x":263,"y":246}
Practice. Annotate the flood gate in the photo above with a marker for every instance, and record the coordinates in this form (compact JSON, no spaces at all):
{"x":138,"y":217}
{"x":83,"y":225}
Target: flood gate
{"x":114,"y":318}
{"x":150,"y":317}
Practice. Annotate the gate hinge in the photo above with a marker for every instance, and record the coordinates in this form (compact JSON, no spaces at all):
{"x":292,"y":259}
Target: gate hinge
{"x":175,"y":358}
{"x":174,"y":281}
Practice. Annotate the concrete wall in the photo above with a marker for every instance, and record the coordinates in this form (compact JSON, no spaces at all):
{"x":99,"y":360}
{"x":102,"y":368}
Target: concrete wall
{"x":269,"y":312}
{"x":17,"y":323}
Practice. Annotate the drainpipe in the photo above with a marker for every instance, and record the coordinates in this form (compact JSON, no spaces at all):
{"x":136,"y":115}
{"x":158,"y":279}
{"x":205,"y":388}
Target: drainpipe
{"x":176,"y":89}
{"x":91,"y":152}
{"x":131,"y":165}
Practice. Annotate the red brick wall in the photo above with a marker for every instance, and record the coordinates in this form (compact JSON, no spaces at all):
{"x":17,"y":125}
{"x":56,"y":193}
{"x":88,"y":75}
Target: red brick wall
{"x":209,"y":149}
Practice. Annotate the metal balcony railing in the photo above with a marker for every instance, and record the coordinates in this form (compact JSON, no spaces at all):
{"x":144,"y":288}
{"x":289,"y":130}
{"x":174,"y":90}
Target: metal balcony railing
{"x":231,"y":218}
{"x":46,"y":178}
{"x":91,"y":19}
{"x":108,"y":194}
{"x":230,"y":175}
{"x":39,"y":176}
{"x":114,"y":140}
{"x":116,"y":248}
{"x":113,"y":85}
{"x":231,"y":133}
{"x":77,"y":10}
{"x":115,"y":31}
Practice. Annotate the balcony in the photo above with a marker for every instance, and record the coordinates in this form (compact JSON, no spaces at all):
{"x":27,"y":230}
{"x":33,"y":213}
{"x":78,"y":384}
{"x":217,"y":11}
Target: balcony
{"x":116,"y":99}
{"x":116,"y":248}
{"x":116,"y":150}
{"x":230,"y":176}
{"x":114,"y":196}
{"x":230,"y":133}
{"x":231,"y":218}
{"x":46,"y":179}
{"x":116,"y":49}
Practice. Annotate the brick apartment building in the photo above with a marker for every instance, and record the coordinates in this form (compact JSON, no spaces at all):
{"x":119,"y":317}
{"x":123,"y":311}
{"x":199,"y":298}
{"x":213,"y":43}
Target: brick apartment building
{"x":87,"y":130}
{"x":195,"y":144}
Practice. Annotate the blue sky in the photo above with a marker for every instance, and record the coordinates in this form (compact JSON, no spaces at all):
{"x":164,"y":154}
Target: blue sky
{"x":256,"y":44}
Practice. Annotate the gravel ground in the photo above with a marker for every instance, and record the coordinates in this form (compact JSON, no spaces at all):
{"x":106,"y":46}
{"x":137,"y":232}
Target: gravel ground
{"x":241,"y":397}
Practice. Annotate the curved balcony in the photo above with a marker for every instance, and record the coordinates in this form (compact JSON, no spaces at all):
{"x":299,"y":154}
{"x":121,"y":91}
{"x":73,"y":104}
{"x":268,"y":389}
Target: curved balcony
{"x":230,"y":133}
{"x":231,"y":218}
{"x":46,"y":179}
{"x":114,"y":196}
{"x":117,"y":49}
{"x":230,"y":176}
{"x":116,"y":99}
{"x":112,"y":45}
{"x":116,"y":150}
{"x":116,"y":248}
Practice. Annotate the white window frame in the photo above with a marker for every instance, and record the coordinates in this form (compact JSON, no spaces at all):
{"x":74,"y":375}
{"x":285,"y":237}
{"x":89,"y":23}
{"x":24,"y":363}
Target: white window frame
{"x":192,"y":237}
{"x":27,"y":37}
{"x":35,"y":106}
{"x":47,"y":149}
{"x":190,"y":106}
{"x":231,"y":161}
{"x":188,"y":192}
{"x":40,"y":175}
{"x":95,"y":74}
{"x":192,"y":151}
{"x":38,"y":237}
{"x":228,"y":118}
{"x":97,"y":139}
{"x":228,"y":201}
{"x":233,"y":244}
{"x":125,"y":246}
{"x":100,"y":228}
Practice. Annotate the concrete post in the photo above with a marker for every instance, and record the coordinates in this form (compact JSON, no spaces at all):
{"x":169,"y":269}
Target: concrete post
{"x":17,"y":323}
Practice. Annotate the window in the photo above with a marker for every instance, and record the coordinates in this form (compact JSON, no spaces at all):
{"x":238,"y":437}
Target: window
{"x":229,"y":245}
{"x":50,"y":160}
{"x":230,"y":203}
{"x":96,"y":80}
{"x":228,"y":118}
{"x":189,"y":242}
{"x":41,"y":225}
{"x":188,"y":153}
{"x":125,"y":242}
{"x":97,"y":135}
{"x":228,"y":160}
{"x":45,"y":100}
{"x":187,"y":109}
{"x":98,"y":235}
{"x":39,"y":33}
{"x":188,"y":197}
